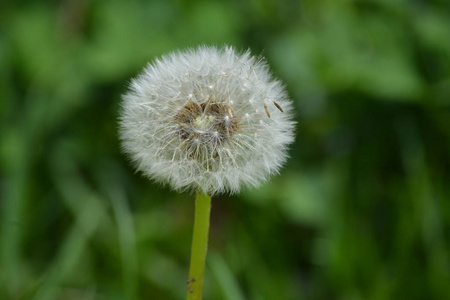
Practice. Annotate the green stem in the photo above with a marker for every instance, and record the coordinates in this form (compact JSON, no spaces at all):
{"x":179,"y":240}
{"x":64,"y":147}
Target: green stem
{"x":199,"y":247}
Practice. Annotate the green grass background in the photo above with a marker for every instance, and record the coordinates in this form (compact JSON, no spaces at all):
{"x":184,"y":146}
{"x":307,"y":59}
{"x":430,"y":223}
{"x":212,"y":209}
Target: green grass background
{"x":361,"y":211}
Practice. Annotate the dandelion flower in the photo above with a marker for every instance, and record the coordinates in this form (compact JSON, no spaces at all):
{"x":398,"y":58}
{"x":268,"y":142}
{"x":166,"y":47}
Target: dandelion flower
{"x":207,"y":119}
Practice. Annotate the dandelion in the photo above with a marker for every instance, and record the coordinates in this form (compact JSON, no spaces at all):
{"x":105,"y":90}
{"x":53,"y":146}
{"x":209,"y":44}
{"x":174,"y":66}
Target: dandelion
{"x":207,"y":119}
{"x":210,"y":120}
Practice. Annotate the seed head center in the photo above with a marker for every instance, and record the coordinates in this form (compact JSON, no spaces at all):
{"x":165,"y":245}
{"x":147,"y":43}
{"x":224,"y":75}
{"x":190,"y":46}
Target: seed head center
{"x":204,"y":122}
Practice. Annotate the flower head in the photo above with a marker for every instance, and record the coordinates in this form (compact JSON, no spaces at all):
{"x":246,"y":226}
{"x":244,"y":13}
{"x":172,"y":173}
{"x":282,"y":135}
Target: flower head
{"x":208,"y":119}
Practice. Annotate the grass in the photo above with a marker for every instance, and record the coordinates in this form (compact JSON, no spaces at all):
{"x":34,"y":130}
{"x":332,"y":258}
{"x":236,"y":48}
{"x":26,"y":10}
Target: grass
{"x":361,"y":211}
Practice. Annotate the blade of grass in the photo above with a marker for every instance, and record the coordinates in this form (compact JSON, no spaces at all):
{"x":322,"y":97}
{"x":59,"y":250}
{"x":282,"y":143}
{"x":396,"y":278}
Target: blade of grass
{"x":112,"y":187}
{"x":224,"y":278}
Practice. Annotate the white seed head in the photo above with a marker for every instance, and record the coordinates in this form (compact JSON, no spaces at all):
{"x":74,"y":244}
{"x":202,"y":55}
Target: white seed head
{"x":200,"y":120}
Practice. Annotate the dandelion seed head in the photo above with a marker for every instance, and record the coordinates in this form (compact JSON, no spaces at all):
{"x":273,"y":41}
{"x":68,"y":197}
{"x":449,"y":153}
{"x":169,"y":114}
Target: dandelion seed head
{"x":193,"y":119}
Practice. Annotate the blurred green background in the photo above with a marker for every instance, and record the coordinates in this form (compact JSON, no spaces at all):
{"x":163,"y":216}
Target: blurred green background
{"x":361,"y":211}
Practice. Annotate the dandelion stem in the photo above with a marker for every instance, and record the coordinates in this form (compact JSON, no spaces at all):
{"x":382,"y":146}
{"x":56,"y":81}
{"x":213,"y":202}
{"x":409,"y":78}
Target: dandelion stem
{"x":199,"y":247}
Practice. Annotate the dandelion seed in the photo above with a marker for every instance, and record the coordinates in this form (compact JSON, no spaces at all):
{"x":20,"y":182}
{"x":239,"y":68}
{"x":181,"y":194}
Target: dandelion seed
{"x":278,"y":106}
{"x":191,"y":120}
